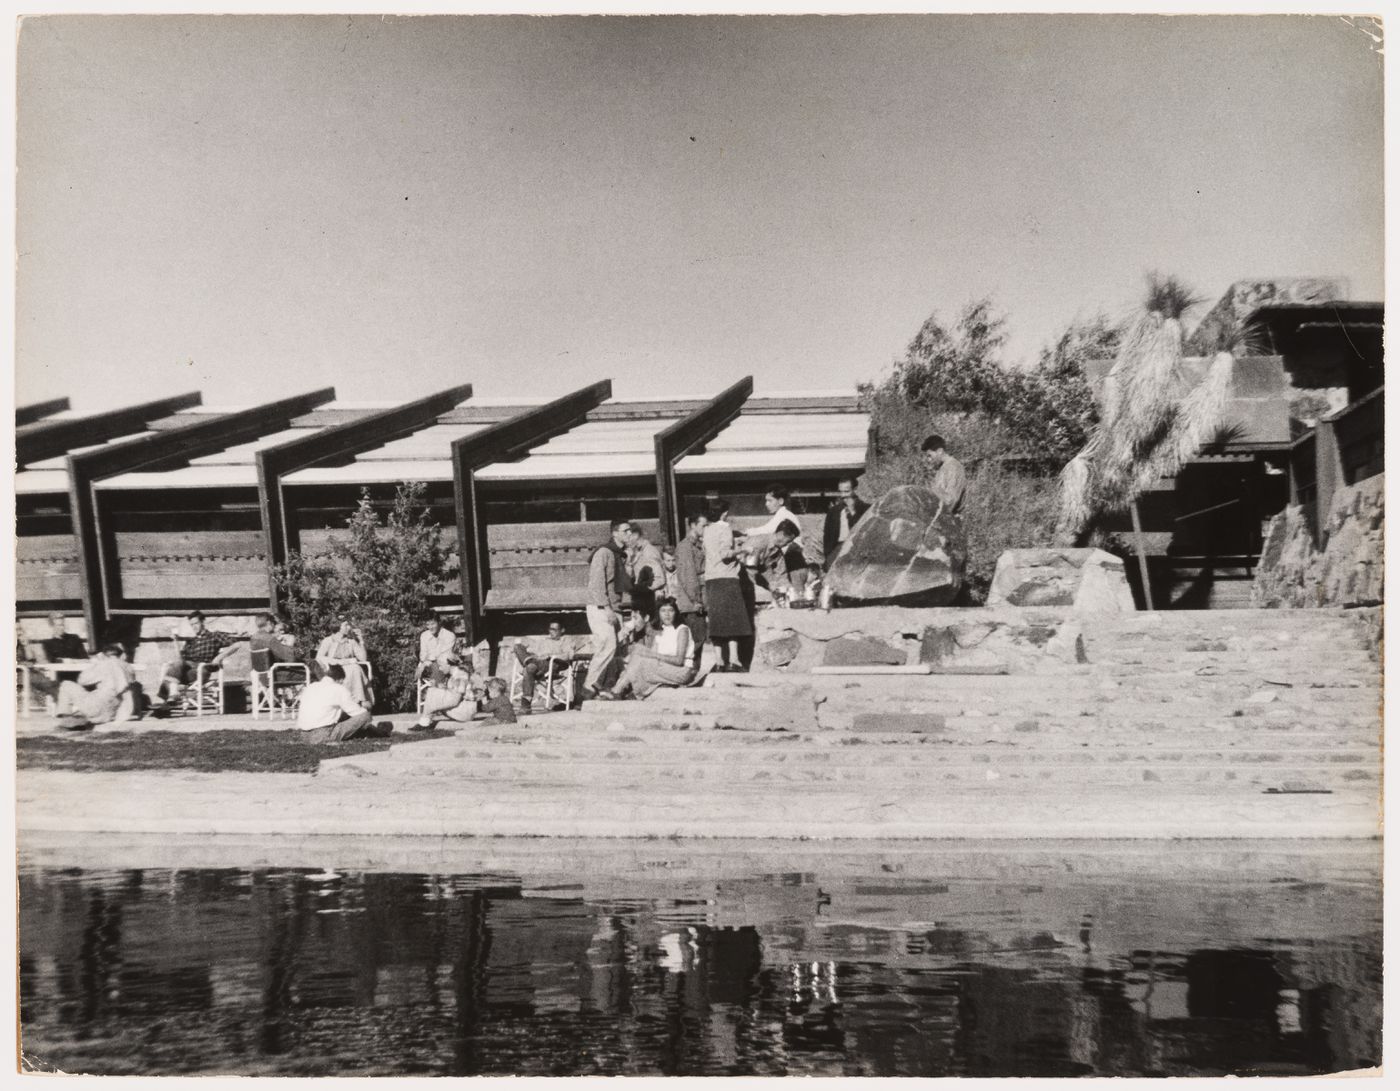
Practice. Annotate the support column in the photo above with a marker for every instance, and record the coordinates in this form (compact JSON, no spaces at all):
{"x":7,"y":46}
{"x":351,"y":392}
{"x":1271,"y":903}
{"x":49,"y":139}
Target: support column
{"x":683,"y":437}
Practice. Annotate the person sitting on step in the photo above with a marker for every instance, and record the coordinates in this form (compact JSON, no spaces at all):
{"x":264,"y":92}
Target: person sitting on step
{"x":667,"y":658}
{"x":102,"y":694}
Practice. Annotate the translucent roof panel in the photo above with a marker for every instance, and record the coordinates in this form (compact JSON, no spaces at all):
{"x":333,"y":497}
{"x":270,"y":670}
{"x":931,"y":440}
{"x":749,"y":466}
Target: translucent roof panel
{"x":246,"y":454}
{"x":777,"y":442}
{"x":29,"y":482}
{"x":186,"y":477}
{"x":605,"y":448}
{"x":370,"y":472}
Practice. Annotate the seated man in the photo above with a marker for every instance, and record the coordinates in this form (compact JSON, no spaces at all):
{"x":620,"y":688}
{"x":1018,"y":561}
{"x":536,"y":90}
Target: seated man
{"x":435,"y":644}
{"x":265,"y":638}
{"x":62,"y":644}
{"x":102,"y":694}
{"x":329,"y":714}
{"x":205,"y":646}
{"x":536,"y":658}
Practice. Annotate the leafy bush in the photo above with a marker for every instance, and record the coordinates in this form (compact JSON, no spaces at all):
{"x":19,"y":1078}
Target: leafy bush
{"x":382,"y":576}
{"x":1012,"y":429}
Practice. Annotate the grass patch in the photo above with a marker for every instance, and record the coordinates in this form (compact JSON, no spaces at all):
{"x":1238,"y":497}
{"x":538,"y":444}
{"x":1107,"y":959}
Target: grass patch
{"x":204,"y":752}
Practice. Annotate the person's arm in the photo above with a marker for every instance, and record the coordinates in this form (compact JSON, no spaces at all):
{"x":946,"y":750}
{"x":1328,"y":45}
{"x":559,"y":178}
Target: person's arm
{"x":229,"y":641}
{"x":682,"y":655}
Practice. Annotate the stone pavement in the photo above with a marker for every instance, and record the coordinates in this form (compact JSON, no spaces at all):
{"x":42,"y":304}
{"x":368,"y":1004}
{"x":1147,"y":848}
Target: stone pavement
{"x":1180,"y":725}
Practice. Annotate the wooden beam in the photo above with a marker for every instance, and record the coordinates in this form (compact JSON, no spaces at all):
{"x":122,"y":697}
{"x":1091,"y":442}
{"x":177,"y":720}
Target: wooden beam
{"x":338,"y":441}
{"x":1330,"y":476}
{"x":28,"y":414}
{"x":1141,"y":547}
{"x":677,"y":441}
{"x":499,"y":443}
{"x":49,"y":439}
{"x":97,"y":561}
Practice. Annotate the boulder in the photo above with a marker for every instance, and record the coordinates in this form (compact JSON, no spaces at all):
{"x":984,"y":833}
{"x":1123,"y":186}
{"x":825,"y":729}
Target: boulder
{"x":1089,"y":580}
{"x":863,"y":651}
{"x":901,"y":555}
{"x":780,"y":651}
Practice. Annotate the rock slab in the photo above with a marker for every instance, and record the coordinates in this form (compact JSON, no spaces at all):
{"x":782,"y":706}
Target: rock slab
{"x":1091,"y":581}
{"x":1344,"y":568}
{"x":903,"y":552}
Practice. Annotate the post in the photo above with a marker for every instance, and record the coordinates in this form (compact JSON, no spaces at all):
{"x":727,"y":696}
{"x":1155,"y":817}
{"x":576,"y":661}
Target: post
{"x":337,"y":441}
{"x":96,"y":559}
{"x":1329,"y":474}
{"x":683,"y":437}
{"x":1141,"y":555}
{"x":505,"y":440}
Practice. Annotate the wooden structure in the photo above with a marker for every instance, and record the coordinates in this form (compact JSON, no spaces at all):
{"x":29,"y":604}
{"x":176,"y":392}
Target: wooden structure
{"x":160,"y":508}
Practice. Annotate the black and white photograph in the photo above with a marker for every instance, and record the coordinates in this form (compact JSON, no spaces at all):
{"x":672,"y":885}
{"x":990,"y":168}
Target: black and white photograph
{"x":752,"y":545}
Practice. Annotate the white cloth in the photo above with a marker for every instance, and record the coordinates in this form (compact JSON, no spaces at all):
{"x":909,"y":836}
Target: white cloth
{"x":778,"y":517}
{"x":433,"y":648}
{"x":322,"y":703}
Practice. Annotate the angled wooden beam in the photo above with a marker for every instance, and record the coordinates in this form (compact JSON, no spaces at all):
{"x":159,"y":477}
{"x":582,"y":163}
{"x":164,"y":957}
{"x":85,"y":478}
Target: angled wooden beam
{"x":176,"y":446}
{"x":28,"y":414}
{"x":498,"y":443}
{"x":49,"y":439}
{"x":338,"y":441}
{"x":685,"y":436}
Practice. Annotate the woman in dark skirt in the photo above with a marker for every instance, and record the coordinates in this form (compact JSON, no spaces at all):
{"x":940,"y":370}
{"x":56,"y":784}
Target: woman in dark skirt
{"x":729,"y":610}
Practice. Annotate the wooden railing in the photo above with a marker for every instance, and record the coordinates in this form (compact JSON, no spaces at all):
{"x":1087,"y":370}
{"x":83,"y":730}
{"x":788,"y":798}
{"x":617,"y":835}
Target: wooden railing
{"x":1345,"y":447}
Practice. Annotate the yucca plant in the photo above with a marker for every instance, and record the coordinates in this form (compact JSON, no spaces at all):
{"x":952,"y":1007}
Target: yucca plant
{"x":1154,"y":421}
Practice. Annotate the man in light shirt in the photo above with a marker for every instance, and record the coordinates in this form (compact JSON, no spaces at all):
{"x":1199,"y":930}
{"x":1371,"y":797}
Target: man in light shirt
{"x":949,"y":481}
{"x":434,"y":645}
{"x":328,"y":713}
{"x":775,"y":500}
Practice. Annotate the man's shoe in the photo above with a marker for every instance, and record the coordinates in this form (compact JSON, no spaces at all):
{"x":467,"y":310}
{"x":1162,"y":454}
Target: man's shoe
{"x":558,"y":708}
{"x":588,"y":693}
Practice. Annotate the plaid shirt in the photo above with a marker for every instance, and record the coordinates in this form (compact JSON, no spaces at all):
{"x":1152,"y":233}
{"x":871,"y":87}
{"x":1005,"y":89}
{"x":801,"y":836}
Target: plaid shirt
{"x":203,"y":648}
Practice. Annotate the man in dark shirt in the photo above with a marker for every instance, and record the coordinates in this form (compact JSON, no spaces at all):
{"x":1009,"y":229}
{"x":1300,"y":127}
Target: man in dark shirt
{"x":205,"y":646}
{"x":841,"y":519}
{"x":62,"y":644}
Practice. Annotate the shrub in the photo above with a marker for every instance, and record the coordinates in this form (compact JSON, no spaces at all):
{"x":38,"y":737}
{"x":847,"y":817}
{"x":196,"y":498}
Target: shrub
{"x":382,"y":575}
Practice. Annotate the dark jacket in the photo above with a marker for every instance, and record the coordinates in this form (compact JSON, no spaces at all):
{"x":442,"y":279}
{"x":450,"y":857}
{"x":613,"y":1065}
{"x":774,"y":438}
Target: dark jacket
{"x":831,"y":532}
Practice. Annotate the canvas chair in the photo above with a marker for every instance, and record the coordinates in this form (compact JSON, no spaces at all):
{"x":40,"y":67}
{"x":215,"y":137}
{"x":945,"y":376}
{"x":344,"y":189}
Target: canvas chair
{"x":556,"y":687}
{"x":275,"y":688}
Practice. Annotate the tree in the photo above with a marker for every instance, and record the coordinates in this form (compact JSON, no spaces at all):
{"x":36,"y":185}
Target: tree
{"x":1154,"y":418}
{"x":382,"y":575}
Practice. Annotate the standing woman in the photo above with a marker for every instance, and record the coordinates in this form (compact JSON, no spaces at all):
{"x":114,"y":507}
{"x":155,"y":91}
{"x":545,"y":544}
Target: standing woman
{"x":666,"y":659}
{"x":346,"y":646}
{"x":729,"y":609}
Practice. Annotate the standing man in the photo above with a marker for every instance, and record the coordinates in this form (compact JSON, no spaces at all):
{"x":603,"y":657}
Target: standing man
{"x":949,"y":482}
{"x":205,"y":646}
{"x":604,"y":608}
{"x":645,"y":569}
{"x":435,"y":644}
{"x":690,"y":568}
{"x":841,"y":519}
{"x":775,"y":501}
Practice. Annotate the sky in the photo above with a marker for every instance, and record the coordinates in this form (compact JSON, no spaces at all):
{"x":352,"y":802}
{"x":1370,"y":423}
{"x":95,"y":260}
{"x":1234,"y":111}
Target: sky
{"x":255,"y":206}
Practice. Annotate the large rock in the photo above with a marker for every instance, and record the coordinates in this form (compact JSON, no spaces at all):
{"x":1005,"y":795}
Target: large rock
{"x":1345,"y":569}
{"x":1090,"y":580}
{"x":899,"y":554}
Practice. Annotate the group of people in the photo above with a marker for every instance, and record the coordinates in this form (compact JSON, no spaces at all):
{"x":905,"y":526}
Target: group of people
{"x":105,"y":689}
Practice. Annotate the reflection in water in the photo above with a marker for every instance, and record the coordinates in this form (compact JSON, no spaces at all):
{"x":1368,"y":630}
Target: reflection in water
{"x":301,"y":972}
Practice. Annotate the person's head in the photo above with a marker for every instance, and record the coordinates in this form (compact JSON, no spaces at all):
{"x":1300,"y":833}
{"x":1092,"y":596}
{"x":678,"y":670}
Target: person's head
{"x":668,"y":559}
{"x":785,"y":532}
{"x":335,"y":672}
{"x":435,"y":625}
{"x":776,"y":497}
{"x":495,"y":687}
{"x":196,"y":620}
{"x":279,"y":626}
{"x":58,"y":623}
{"x":114,"y":651}
{"x":933,"y":451}
{"x":345,"y":628}
{"x":696,"y":524}
{"x":264,"y":623}
{"x":719,"y":511}
{"x":846,"y":490}
{"x":638,"y":535}
{"x":666,"y":611}
{"x":620,"y":529}
{"x":556,"y":629}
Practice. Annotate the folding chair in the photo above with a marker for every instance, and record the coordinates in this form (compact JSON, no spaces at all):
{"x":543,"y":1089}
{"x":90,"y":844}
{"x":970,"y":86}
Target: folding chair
{"x":206,"y":693}
{"x":276,"y":687}
{"x":559,"y":673}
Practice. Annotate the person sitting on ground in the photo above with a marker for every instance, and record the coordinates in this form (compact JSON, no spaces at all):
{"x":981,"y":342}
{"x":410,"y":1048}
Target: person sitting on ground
{"x":435,"y":643}
{"x":792,"y":562}
{"x":102,"y":694}
{"x":451,"y":693}
{"x":841,"y":519}
{"x":330,"y":713}
{"x":205,"y":646}
{"x":537,"y":657}
{"x":346,"y":647}
{"x":949,"y":479}
{"x":497,"y":703}
{"x":667,"y":658}
{"x":61,"y":644}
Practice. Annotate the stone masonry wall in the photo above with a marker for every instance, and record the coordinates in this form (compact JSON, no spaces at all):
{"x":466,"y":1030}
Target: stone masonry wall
{"x":1348,"y":568}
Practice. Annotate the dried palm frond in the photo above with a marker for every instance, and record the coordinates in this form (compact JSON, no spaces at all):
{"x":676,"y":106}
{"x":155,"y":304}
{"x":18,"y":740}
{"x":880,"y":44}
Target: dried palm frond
{"x":1077,"y":505}
{"x":1169,"y":297}
{"x":1227,"y":332}
{"x":1197,"y":422}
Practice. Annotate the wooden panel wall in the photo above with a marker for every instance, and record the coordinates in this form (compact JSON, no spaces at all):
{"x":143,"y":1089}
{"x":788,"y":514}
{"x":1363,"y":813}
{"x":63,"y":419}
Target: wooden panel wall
{"x":545,"y":565}
{"x":227,"y":564}
{"x":46,"y":569}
